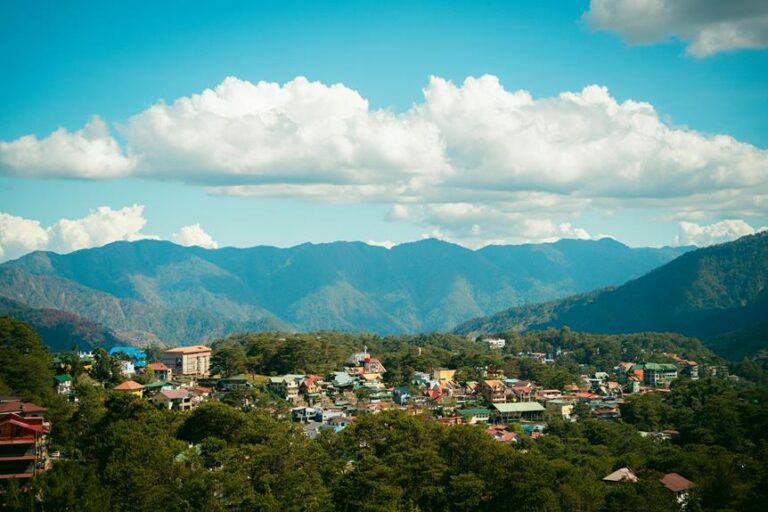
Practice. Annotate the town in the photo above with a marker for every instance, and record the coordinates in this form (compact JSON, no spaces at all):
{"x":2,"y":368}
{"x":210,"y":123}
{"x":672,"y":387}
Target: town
{"x":508,"y":409}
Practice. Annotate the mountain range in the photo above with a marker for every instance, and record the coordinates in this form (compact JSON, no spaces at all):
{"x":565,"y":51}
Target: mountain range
{"x":155,"y":290}
{"x":717,"y":293}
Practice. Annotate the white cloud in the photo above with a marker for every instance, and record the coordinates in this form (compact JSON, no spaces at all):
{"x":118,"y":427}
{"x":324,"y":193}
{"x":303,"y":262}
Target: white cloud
{"x":471,"y":160}
{"x":104,"y":225}
{"x":19,"y":236}
{"x":709,"y":26}
{"x":87,"y":153}
{"x":195,"y":235}
{"x":719,"y":232}
{"x":386,"y":244}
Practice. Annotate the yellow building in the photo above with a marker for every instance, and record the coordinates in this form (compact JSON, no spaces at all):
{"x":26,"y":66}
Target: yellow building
{"x":443,"y":374}
{"x":130,"y":387}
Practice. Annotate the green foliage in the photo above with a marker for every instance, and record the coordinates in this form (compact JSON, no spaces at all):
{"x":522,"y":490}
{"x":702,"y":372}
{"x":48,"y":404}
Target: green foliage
{"x":24,"y":362}
{"x":718,"y":291}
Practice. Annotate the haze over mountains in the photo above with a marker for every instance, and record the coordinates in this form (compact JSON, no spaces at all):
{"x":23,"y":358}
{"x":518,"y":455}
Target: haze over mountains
{"x":158,"y":290}
{"x":717,"y":292}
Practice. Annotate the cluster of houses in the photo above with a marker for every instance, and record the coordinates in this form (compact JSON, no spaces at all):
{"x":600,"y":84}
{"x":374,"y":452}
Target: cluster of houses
{"x":173,"y":383}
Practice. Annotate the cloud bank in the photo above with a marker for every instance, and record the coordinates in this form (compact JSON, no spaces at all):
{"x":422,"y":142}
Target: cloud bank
{"x":474,"y":161}
{"x":101,"y":226}
{"x":719,"y":232}
{"x":708,"y":26}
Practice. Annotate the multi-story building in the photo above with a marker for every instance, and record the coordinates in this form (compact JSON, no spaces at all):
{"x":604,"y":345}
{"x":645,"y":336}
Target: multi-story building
{"x":286,"y":387}
{"x":494,"y":391}
{"x":659,"y":374}
{"x":192,"y":360}
{"x":23,"y":438}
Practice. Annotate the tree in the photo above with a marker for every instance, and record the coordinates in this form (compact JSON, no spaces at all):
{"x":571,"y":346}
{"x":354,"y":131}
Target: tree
{"x":24,"y":362}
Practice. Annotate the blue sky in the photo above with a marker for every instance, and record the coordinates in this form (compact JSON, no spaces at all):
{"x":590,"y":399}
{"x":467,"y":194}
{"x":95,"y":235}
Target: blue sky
{"x":65,"y":62}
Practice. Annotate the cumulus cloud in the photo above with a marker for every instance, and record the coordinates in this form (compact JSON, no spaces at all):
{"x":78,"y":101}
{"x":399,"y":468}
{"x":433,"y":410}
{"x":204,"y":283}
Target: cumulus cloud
{"x":103,"y":225}
{"x":90,"y":152}
{"x":719,"y":232}
{"x":195,"y":235}
{"x":471,"y":160}
{"x":19,"y":236}
{"x":709,"y":26}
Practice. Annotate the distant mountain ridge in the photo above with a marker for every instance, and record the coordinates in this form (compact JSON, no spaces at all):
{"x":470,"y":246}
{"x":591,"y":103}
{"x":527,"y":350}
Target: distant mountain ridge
{"x":190,"y":294}
{"x":718,"y":291}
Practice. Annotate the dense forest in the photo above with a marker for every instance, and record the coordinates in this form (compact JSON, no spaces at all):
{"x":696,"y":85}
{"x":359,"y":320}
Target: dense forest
{"x":718,"y":292}
{"x":121,"y":453}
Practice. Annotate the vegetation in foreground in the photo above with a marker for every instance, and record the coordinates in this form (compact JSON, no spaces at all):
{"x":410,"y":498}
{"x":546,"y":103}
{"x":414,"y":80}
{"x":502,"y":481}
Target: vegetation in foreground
{"x":123,"y":454}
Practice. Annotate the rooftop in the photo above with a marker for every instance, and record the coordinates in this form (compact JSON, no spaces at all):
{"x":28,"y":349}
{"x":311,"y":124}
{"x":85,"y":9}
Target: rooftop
{"x":676,"y":483}
{"x":519,"y":407}
{"x":193,"y":349}
{"x":129,"y":385}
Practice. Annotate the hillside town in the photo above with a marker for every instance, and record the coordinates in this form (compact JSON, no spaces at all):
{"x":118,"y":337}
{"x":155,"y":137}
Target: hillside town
{"x":509,"y":410}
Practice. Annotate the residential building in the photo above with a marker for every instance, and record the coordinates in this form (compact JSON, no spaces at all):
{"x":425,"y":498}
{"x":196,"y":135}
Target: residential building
{"x":559,"y":407}
{"x":495,"y":343}
{"x":494,"y":391}
{"x":621,"y":475}
{"x":443,"y":374}
{"x":23,"y":445}
{"x":23,"y":409}
{"x":286,"y":386}
{"x":176,"y":399}
{"x":63,"y":384}
{"x":161,"y":371}
{"x":130,"y":387}
{"x":679,"y":485}
{"x":192,"y":360}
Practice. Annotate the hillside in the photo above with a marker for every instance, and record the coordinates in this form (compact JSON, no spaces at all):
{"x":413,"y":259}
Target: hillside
{"x":705,"y":293}
{"x":190,"y":294}
{"x":60,"y":330}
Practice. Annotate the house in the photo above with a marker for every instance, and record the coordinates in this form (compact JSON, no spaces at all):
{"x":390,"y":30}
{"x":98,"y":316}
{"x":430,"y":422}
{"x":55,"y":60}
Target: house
{"x":286,"y":387}
{"x":495,"y":343}
{"x":127,"y":369}
{"x":63,"y":384}
{"x":621,"y":475}
{"x":130,"y":387}
{"x":373,"y":366}
{"x":23,"y":445}
{"x":311,"y":387}
{"x":679,"y":485}
{"x":529,"y":411}
{"x":176,"y":399}
{"x":494,"y":391}
{"x":161,"y":371}
{"x":339,"y":423}
{"x":500,"y":434}
{"x":475,"y":415}
{"x":191,"y":360}
{"x":23,"y":409}
{"x":443,"y":374}
{"x":401,"y":395}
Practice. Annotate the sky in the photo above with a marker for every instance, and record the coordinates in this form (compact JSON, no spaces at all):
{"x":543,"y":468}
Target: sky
{"x":278,"y":123}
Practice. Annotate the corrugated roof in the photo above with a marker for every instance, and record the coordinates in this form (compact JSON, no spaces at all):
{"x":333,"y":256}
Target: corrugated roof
{"x":519,"y":407}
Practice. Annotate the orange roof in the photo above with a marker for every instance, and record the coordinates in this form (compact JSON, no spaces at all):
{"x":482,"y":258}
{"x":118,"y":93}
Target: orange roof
{"x":493,"y":383}
{"x":158,"y":366}
{"x":129,"y":385}
{"x":193,"y":349}
{"x":19,"y":406}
